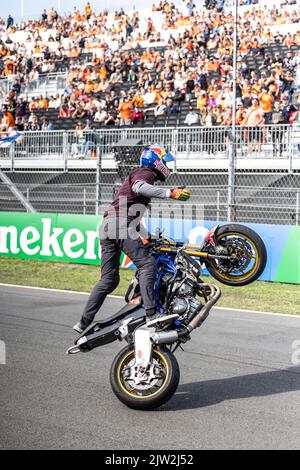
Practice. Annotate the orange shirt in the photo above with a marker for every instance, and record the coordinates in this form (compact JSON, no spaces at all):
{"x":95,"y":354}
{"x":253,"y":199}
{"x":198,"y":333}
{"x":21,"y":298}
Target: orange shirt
{"x":88,"y":11}
{"x":239,"y":116}
{"x":125,"y":110}
{"x":33,"y":105}
{"x":201,"y":102}
{"x":138,"y":101}
{"x":89,"y":88}
{"x":43,"y":104}
{"x":266,"y":102}
{"x":103,"y":73}
{"x":9,"y":120}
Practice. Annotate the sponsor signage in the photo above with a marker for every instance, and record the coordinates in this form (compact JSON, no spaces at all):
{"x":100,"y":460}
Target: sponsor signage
{"x":74,"y":239}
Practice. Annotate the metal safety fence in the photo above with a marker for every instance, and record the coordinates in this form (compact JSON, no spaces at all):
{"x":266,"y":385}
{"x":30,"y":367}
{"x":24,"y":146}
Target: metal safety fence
{"x":68,"y":172}
{"x":275,"y":142}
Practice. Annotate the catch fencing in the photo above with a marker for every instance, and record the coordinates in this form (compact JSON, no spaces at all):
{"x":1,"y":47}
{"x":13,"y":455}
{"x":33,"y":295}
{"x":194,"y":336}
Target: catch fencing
{"x":80,"y":172}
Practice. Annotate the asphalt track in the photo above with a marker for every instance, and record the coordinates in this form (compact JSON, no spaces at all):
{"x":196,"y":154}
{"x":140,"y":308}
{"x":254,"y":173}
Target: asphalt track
{"x":239,"y":388}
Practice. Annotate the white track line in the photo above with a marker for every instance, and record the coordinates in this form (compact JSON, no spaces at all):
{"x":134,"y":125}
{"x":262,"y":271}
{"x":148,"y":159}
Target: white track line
{"x":121,"y":298}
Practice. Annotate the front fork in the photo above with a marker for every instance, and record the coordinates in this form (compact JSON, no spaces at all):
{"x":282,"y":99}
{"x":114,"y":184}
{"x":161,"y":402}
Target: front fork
{"x":142,"y":347}
{"x":146,"y":336}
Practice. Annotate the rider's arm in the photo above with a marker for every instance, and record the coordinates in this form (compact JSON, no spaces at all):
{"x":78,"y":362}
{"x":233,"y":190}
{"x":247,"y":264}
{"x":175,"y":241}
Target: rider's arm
{"x":141,"y":188}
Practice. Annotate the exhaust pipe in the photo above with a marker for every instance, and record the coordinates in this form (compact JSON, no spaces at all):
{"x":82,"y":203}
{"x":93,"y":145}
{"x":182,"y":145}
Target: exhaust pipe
{"x":169,"y":337}
{"x":200,"y":317}
{"x":164,"y":337}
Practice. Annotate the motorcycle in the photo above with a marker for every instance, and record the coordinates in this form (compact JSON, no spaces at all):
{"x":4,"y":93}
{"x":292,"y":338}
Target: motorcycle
{"x":145,"y":374}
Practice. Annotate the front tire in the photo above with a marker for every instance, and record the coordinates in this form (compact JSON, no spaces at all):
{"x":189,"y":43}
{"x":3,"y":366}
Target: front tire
{"x":251,"y":259}
{"x":155,"y":389}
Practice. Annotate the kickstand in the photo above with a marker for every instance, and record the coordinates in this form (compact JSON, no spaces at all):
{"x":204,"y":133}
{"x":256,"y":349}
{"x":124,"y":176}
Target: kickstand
{"x":178,"y":345}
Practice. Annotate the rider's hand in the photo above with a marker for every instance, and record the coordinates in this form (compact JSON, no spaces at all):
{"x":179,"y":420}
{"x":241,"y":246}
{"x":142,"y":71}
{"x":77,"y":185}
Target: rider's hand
{"x":180,"y":194}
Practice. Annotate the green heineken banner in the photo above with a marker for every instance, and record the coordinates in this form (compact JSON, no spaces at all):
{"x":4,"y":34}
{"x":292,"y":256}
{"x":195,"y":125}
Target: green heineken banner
{"x":75,"y":239}
{"x":52,"y":237}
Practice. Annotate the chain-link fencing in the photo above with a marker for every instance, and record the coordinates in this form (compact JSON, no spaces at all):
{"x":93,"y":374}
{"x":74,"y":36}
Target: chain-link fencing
{"x":71,"y":172}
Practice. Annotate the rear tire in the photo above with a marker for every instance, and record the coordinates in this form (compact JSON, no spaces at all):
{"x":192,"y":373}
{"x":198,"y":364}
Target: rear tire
{"x":136,"y":397}
{"x":260,"y":259}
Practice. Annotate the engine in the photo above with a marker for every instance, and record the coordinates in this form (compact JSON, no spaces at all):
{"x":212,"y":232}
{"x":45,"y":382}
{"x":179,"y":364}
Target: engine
{"x":184,"y":303}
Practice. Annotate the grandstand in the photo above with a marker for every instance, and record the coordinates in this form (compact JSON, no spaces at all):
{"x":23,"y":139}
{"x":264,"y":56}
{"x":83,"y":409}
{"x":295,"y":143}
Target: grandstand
{"x":76,"y":86}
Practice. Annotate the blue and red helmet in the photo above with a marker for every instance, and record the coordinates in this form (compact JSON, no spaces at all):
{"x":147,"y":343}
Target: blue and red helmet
{"x":156,"y":158}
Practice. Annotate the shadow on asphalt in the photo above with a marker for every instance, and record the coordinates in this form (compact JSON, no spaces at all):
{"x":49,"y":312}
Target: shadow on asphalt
{"x":210,"y":392}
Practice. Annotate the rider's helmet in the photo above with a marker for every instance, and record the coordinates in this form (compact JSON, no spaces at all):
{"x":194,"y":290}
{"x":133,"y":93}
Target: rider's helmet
{"x":156,"y":158}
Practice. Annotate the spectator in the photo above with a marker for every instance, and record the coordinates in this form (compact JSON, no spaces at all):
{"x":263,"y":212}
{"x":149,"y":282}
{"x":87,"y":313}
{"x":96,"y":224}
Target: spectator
{"x":138,"y":116}
{"x":125,"y":111}
{"x":8,"y":121}
{"x":266,"y":101}
{"x":289,"y":111}
{"x":64,"y":112}
{"x":10,"y":21}
{"x":47,"y":125}
{"x":78,"y":147}
{"x":54,"y":102}
{"x":159,"y":110}
{"x":112,"y":117}
{"x":44,"y":16}
{"x":253,"y":121}
{"x":190,"y":86}
{"x":42,"y":103}
{"x":101,"y":115}
{"x":88,"y":11}
{"x":278,"y":130}
{"x":192,"y":117}
{"x":170,"y":108}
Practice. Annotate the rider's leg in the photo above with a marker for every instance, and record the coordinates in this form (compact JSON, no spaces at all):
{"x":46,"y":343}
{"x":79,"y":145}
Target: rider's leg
{"x":146,"y":265}
{"x":110,"y":278}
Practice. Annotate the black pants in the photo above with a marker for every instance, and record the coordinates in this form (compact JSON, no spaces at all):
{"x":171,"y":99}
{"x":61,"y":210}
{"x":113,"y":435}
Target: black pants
{"x":110,"y":255}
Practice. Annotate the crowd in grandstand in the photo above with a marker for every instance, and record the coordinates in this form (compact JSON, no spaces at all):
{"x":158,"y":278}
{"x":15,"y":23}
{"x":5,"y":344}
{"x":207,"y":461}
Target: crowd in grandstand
{"x":136,"y":72}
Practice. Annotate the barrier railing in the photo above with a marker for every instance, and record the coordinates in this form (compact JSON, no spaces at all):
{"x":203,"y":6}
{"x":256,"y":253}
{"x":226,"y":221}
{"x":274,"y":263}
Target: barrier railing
{"x":266,"y":142}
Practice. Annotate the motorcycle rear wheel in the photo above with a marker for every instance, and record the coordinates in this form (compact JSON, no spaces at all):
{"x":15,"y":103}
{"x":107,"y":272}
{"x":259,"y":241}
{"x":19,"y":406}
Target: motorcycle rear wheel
{"x":250,"y":265}
{"x":161,"y":384}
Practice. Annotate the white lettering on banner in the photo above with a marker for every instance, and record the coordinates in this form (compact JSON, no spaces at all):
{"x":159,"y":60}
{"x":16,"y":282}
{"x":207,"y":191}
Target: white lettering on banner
{"x":197,"y":232}
{"x":51,"y":240}
{"x":26,"y":241}
{"x":13,"y":236}
{"x":90,"y":244}
{"x":68,"y":244}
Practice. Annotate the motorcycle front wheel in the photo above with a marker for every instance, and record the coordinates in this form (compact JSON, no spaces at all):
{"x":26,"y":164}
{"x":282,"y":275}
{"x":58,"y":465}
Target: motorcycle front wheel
{"x":249,"y":254}
{"x":144,"y":389}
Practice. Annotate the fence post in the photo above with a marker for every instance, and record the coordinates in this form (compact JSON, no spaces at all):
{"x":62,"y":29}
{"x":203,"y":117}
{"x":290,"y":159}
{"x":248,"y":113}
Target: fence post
{"x":290,"y":148}
{"x":12,"y":156}
{"x":65,"y":151}
{"x":231,"y":151}
{"x":98,"y":179}
{"x":175,"y":145}
{"x":218,"y":206}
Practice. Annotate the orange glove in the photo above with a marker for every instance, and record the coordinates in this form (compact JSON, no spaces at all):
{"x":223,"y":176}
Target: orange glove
{"x":180,"y":194}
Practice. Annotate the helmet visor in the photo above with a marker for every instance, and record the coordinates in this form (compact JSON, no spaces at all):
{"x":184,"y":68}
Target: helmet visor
{"x":168,"y":158}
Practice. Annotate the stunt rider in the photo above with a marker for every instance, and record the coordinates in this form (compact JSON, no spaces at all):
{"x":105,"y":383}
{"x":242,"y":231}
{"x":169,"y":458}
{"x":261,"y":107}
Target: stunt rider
{"x":119,"y":232}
